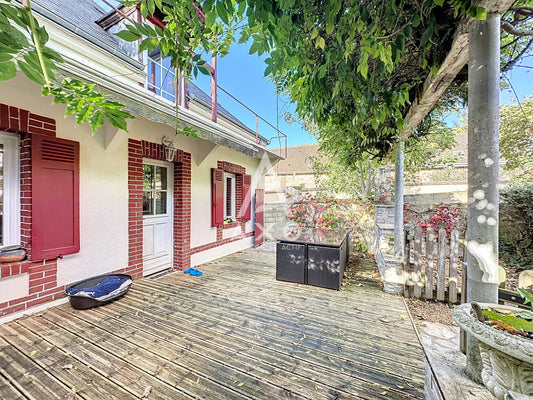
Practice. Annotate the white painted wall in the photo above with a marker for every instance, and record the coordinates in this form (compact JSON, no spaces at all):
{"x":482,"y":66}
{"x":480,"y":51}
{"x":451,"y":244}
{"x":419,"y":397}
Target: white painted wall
{"x":14,"y":287}
{"x":104,"y":185}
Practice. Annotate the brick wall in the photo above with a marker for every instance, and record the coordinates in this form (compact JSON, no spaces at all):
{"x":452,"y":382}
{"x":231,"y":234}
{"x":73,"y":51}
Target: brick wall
{"x":137,"y":150}
{"x":135,"y":209}
{"x":43,"y":284}
{"x":42,"y":274}
{"x":182,"y":213}
{"x":14,"y":119}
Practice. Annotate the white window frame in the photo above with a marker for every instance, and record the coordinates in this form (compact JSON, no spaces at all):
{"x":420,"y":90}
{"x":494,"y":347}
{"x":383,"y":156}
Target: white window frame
{"x":232,"y":205}
{"x":11,"y":195}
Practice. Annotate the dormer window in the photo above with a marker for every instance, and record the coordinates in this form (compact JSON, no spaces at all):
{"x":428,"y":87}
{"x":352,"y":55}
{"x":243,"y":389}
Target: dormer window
{"x":161,"y":76}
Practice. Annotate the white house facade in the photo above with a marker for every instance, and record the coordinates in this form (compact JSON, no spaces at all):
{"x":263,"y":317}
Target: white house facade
{"x":84,"y":205}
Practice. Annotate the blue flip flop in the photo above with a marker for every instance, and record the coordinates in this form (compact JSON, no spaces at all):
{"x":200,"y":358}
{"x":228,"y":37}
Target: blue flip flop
{"x":188,"y":271}
{"x":195,"y":272}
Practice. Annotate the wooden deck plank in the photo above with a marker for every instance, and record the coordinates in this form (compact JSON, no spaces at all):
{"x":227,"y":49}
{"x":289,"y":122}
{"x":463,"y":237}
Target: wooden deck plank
{"x":252,"y":356}
{"x":329,"y":338}
{"x":332,"y":365}
{"x":130,"y":366}
{"x":9,"y":392}
{"x":233,"y":333}
{"x":72,"y":373}
{"x":134,"y":343}
{"x":26,"y":377}
{"x":284,"y":307}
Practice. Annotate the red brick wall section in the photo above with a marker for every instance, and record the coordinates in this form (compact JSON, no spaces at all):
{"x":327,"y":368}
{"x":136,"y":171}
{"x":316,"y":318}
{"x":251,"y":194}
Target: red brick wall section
{"x":135,"y":212}
{"x":14,"y":119}
{"x":42,"y":274}
{"x":157,"y":152}
{"x":43,"y":285}
{"x":182,"y":213}
{"x":25,"y":192}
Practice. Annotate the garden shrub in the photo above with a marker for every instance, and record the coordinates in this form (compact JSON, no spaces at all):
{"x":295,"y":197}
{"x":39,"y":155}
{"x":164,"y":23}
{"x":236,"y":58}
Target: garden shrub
{"x":516,"y":224}
{"x":325,"y":212}
{"x":447,"y":216}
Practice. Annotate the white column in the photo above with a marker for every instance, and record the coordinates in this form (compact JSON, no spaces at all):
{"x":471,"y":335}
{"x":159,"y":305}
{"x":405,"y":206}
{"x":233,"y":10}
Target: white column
{"x":398,"y":203}
{"x":483,"y":155}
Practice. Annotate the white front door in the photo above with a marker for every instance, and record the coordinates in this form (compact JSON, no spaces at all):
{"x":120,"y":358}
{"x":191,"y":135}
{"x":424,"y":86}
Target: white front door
{"x":157,"y":216}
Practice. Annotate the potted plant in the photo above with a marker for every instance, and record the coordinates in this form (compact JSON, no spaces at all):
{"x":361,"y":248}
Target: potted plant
{"x":504,"y":334}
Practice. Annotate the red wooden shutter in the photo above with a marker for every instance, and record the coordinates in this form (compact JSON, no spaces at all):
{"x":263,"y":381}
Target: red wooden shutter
{"x":55,"y":197}
{"x":246,"y":198}
{"x":217,"y":197}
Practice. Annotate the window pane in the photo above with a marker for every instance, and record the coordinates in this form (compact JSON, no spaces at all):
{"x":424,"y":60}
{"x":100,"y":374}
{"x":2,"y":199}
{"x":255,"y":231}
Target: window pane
{"x":148,"y":203}
{"x":148,"y":177}
{"x":229,"y":196}
{"x":160,"y":178}
{"x":161,"y":202}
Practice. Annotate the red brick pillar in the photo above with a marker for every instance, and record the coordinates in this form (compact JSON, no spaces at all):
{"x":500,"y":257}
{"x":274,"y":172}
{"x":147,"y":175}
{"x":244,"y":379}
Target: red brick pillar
{"x":182,"y":213}
{"x":135,"y":205}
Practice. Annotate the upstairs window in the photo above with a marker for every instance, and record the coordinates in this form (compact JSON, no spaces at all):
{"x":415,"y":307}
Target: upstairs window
{"x":9,"y":190}
{"x":161,"y":76}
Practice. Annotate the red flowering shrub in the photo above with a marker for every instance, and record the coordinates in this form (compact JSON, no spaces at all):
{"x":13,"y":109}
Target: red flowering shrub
{"x":325,"y":212}
{"x":443,"y":216}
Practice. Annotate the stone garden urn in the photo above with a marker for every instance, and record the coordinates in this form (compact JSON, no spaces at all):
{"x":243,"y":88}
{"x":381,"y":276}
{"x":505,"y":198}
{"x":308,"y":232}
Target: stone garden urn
{"x":507,"y":359}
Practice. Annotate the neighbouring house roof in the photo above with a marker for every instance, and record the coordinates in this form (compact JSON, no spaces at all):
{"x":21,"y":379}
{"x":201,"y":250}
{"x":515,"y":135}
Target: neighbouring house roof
{"x":297,"y":160}
{"x":83,"y":18}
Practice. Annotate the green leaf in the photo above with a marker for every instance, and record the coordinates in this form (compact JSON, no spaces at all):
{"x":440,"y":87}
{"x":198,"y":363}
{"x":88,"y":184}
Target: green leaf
{"x":515,"y":322}
{"x":116,"y":121}
{"x":320,"y":42}
{"x":42,"y":35}
{"x":144,"y":9}
{"x":5,"y":57}
{"x":479,"y":13}
{"x":13,"y":38}
{"x":71,"y":108}
{"x":8,"y":70}
{"x":84,"y":114}
{"x":151,"y":6}
{"x":528,"y":297}
{"x":222,"y":12}
{"x":52,"y":54}
{"x":428,"y":32}
{"x":204,"y":70}
{"x":36,"y":75}
{"x":128,"y":36}
{"x":96,"y":120}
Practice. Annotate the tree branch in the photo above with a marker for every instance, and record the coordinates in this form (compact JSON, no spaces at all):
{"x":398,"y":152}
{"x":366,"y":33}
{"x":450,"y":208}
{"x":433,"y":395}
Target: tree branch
{"x":509,"y":28}
{"x":512,"y":63}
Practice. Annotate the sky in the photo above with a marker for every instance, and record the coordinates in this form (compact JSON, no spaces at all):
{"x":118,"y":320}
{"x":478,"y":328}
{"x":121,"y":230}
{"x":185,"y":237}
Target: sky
{"x":241,"y":74}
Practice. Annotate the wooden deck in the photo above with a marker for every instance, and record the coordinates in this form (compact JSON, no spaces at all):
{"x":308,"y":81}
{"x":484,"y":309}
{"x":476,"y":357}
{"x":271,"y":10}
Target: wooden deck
{"x":234,"y":333}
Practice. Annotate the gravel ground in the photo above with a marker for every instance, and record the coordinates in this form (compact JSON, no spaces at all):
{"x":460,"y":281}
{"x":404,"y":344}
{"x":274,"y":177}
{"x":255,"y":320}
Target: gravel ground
{"x":430,"y":311}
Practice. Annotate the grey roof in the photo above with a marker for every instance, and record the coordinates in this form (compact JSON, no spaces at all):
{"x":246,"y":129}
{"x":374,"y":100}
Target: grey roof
{"x":80,"y":16}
